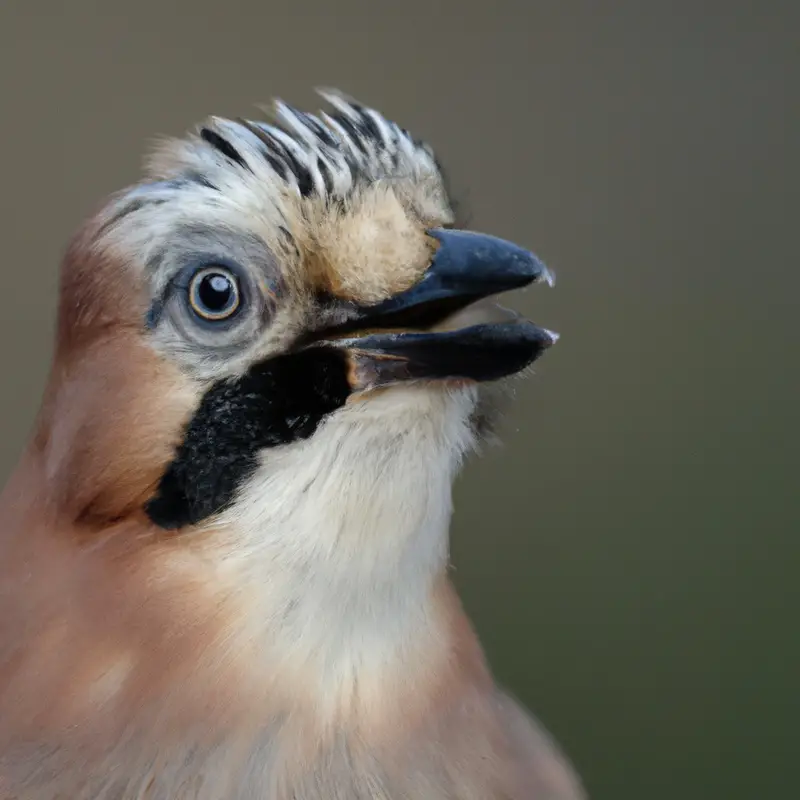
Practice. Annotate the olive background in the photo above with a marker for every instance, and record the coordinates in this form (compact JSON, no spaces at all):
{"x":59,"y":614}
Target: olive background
{"x":629,"y":554}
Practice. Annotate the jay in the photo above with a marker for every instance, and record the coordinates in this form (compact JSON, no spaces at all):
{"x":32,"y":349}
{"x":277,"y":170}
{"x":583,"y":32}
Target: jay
{"x":224,"y":552}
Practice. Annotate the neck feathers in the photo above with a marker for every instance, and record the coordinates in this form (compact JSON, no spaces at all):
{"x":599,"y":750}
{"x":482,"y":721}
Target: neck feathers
{"x":338,"y":546}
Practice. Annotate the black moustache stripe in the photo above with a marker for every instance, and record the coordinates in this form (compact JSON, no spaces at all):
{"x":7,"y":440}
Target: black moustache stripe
{"x":277,"y":402}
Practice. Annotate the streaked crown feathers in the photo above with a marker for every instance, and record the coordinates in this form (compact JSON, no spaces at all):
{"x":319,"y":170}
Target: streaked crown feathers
{"x":325,"y":155}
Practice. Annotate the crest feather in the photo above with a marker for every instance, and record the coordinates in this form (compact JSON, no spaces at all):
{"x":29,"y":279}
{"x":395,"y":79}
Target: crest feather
{"x":326,"y":154}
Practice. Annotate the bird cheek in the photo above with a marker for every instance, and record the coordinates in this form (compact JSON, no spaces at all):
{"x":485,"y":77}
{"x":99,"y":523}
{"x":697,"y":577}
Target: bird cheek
{"x":113,"y":418}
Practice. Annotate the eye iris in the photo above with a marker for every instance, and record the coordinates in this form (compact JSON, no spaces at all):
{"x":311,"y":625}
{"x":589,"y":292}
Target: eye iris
{"x":215,"y":295}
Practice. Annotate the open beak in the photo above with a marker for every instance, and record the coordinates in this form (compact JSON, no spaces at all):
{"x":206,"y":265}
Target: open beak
{"x":443,"y":327}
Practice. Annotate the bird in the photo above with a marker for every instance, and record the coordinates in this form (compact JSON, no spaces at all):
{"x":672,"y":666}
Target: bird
{"x":224,"y":550}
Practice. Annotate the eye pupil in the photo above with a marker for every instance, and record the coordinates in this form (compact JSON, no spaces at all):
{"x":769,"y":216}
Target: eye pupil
{"x":214,"y":294}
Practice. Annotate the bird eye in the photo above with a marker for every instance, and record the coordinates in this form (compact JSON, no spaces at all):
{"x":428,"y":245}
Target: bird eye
{"x":214,"y":294}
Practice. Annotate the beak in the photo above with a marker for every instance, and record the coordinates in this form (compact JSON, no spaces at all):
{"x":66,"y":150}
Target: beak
{"x":442,"y":327}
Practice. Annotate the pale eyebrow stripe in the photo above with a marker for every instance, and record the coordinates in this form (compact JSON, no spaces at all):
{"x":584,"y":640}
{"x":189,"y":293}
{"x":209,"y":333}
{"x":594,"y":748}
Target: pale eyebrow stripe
{"x":147,"y":195}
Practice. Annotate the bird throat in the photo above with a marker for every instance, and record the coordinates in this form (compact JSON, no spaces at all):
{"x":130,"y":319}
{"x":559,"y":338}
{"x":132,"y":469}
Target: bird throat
{"x":276,"y":402}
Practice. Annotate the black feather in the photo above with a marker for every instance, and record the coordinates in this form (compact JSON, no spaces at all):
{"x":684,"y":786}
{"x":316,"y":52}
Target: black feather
{"x":277,"y":402}
{"x":223,"y":145}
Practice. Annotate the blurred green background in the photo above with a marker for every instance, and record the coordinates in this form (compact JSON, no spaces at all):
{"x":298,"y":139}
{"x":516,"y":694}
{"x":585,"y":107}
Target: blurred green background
{"x":630,"y":555}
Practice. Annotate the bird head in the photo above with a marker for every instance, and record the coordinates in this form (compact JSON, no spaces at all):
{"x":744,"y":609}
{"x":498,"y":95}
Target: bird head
{"x":272,"y":304}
